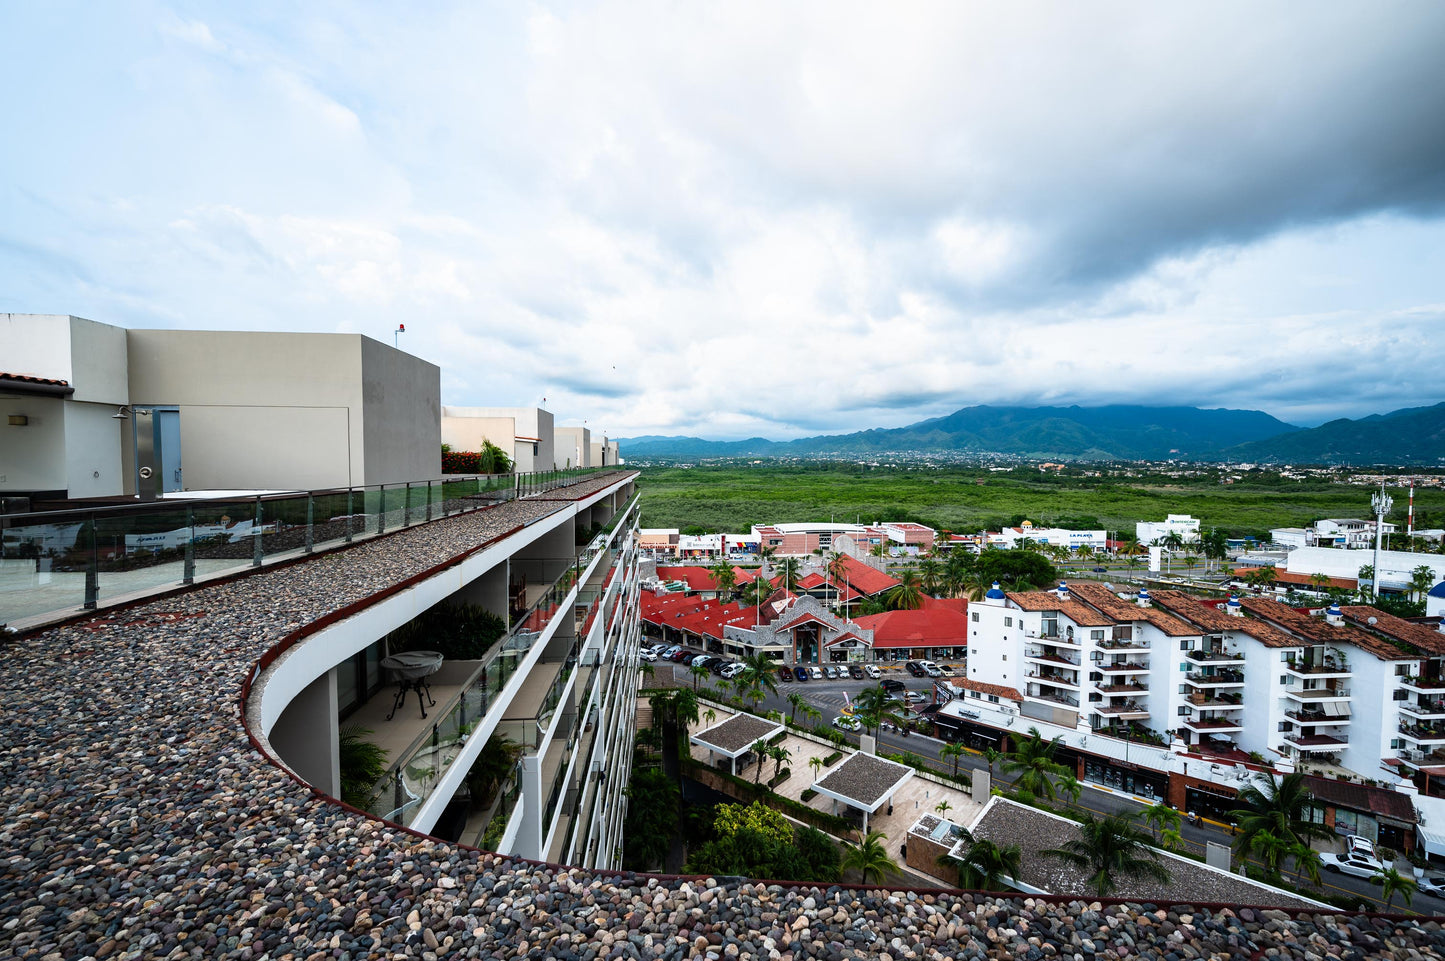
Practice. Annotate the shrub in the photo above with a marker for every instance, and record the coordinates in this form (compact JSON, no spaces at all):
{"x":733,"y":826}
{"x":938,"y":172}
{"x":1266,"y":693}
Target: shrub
{"x":832,"y":759}
{"x":780,"y":778}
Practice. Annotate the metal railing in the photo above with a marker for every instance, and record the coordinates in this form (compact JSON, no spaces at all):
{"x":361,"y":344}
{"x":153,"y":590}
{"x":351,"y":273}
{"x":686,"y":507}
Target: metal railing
{"x":57,"y":562}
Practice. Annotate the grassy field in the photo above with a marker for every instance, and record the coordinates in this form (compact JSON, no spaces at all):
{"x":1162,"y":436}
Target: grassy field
{"x":731,"y":499}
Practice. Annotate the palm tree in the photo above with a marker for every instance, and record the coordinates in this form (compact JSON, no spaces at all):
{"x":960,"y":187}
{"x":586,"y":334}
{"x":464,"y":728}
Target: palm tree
{"x":992,"y":755}
{"x":837,"y":569}
{"x":955,"y":572}
{"x":811,"y":713}
{"x":788,"y":573}
{"x":1318,"y":580}
{"x":1109,"y":848}
{"x":816,"y":763}
{"x":1271,"y":850}
{"x":1171,"y":542}
{"x":1367,"y":574}
{"x":907,"y":594}
{"x":951,"y":752}
{"x":1261,"y":576}
{"x":976,"y":584}
{"x":724,"y":578}
{"x":931,"y":574}
{"x":1070,"y":788}
{"x":759,"y":671}
{"x":646,"y":669}
{"x":1161,"y":817}
{"x":943,"y":807}
{"x":761,"y":753}
{"x":779,"y":754}
{"x":1033,"y":766}
{"x":872,"y":706}
{"x":869,"y":858}
{"x":1391,"y":883}
{"x":1189,"y":561}
{"x":1306,"y":862}
{"x":795,"y":701}
{"x":698,"y":672}
{"x":985,"y":865}
{"x":709,"y":716}
{"x":1422,"y":579}
{"x":1275,"y":807}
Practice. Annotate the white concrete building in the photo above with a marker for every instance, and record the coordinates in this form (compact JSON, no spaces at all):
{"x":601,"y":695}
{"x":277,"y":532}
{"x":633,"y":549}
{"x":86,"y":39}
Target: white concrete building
{"x":525,"y":434}
{"x":1396,"y":567}
{"x":605,"y":453}
{"x":95,"y":410}
{"x":571,"y":447}
{"x":1010,"y":537}
{"x":1150,"y":532}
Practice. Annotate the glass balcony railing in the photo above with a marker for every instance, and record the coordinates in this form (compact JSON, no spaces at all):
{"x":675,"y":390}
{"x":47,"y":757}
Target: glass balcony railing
{"x":57,"y":562}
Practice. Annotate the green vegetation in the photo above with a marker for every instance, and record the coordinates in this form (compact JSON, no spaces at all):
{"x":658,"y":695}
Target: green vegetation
{"x":461,"y":632}
{"x":758,"y":842}
{"x":652,"y":819}
{"x":731,"y":498}
{"x":362,"y":765}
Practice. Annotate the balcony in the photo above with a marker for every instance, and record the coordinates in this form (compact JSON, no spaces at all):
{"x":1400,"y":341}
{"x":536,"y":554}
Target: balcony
{"x":1423,"y":708}
{"x":1423,"y":685}
{"x":1054,"y":678}
{"x":1215,"y":700}
{"x":1215,"y":678}
{"x":1052,"y":698}
{"x":1316,"y":694}
{"x":1214,"y":725}
{"x":1125,"y":644}
{"x":1130,"y":711}
{"x":1052,"y":637}
{"x":1120,"y":685}
{"x":1307,"y":716}
{"x":1432,"y":734}
{"x":1318,"y":742}
{"x":1122,"y":667}
{"x":1325,"y":667}
{"x":1050,"y":657}
{"x":1215,"y":657}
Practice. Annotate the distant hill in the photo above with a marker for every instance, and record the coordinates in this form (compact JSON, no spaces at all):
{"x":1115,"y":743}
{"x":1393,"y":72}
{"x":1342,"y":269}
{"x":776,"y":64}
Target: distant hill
{"x":1075,"y":433}
{"x":1413,"y":435}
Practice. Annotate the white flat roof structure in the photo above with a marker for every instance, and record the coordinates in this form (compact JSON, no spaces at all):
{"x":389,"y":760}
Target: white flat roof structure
{"x":736,"y":736}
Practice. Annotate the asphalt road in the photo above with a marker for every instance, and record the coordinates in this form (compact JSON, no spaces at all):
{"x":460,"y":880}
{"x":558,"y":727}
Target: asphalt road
{"x":827,"y":696}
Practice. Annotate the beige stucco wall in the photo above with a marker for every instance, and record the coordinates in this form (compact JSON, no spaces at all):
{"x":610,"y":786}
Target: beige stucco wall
{"x":525,"y":433}
{"x":402,"y":403}
{"x":32,"y":457}
{"x":572,"y":447}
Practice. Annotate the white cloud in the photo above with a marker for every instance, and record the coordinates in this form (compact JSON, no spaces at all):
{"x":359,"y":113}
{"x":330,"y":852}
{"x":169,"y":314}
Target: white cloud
{"x":758,"y":219}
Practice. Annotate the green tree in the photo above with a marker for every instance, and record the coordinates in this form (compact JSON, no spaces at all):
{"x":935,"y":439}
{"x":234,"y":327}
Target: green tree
{"x":759,"y":672}
{"x":1016,"y":569}
{"x":907,"y":594}
{"x":951,"y":752}
{"x":780,"y":756}
{"x":1161,"y":817}
{"x":873,"y":706}
{"x":1422,"y":579}
{"x":795,"y":701}
{"x":760,"y":754}
{"x":1306,"y":863}
{"x":992,"y":755}
{"x":943,"y":807}
{"x":1271,"y":851}
{"x":724,"y":578}
{"x":362,"y":765}
{"x":699,"y":672}
{"x":495,"y":763}
{"x":1276,"y":807}
{"x":816,"y":763}
{"x":837,"y":569}
{"x":985,"y":865}
{"x":788,"y":573}
{"x":1391,"y":883}
{"x":1033,"y":766}
{"x":652,"y":819}
{"x":869,"y":858}
{"x":932,"y":575}
{"x":1110,"y":848}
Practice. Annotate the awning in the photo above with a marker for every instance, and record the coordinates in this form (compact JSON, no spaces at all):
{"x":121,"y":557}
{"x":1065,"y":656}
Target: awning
{"x":1434,"y":843}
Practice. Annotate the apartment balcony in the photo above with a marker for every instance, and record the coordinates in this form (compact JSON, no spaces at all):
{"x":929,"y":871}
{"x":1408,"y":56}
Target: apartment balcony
{"x":1423,"y":708}
{"x":1214,"y":700}
{"x":1130,"y":711}
{"x":1052,"y":637}
{"x":1055,"y":678}
{"x":1122,"y":685}
{"x":1312,"y":716}
{"x":1327,"y":668}
{"x":1051,"y":698}
{"x":1214,"y":725}
{"x":1424,"y":685}
{"x":1318,"y":743}
{"x":1118,"y":668}
{"x":1046,"y":656}
{"x":1216,"y":678}
{"x":1125,"y":644}
{"x":1423,"y":734}
{"x":1217,"y":658}
{"x":1315,"y":695}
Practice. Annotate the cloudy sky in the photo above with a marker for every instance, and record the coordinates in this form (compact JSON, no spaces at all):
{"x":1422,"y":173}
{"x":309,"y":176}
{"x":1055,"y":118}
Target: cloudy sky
{"x":737,"y":219}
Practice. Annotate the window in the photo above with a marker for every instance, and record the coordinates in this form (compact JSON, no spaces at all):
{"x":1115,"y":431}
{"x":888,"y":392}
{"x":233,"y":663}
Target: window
{"x":1402,"y":670}
{"x":1396,"y":743}
{"x":1008,"y":622}
{"x":975,"y":617}
{"x":1184,"y":689}
{"x":1096,"y":656}
{"x":1005,"y":657}
{"x":1183,"y":709}
{"x":1183,"y":668}
{"x":534,"y":450}
{"x":1285,"y":726}
{"x":1285,"y":656}
{"x":1096,"y":635}
{"x":1284,"y":680}
{"x":1186,"y":645}
{"x":1401,"y":695}
{"x":993,"y":698}
{"x":975,"y":695}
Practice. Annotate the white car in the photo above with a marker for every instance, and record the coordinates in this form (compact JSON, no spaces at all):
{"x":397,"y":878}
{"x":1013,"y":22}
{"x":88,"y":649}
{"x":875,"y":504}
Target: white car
{"x":872,"y":671}
{"x":731,"y":671}
{"x":649,"y":655}
{"x":915,"y":697}
{"x":830,"y":672}
{"x":1434,"y":884}
{"x":817,"y":673}
{"x":1352,"y":863}
{"x":847,"y":723}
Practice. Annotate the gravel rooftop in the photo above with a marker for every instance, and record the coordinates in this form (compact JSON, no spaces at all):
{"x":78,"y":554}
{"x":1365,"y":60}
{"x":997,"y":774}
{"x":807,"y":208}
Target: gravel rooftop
{"x":1034,"y":831}
{"x":865,"y":778}
{"x":738,"y":733}
{"x":136,"y":821}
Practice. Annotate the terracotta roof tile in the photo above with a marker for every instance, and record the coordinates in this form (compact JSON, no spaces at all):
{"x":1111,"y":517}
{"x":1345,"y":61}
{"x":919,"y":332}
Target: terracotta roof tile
{"x":1081,"y":614}
{"x":1216,"y":621}
{"x":1412,"y":633}
{"x":1316,"y":630}
{"x":1100,"y":597}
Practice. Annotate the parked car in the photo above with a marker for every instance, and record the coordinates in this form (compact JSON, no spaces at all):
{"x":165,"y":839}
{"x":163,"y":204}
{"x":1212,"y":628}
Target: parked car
{"x":801,"y":673}
{"x":847,"y":723}
{"x":872,"y":671}
{"x":916,"y":669}
{"x":946,"y":671}
{"x":732,"y":670}
{"x":892,"y":685}
{"x":1433,"y":884}
{"x":649,"y":655}
{"x":817,"y":673}
{"x":687,"y":657}
{"x":785,"y":674}
{"x":702,"y":660}
{"x":1101,"y":570}
{"x":915,"y":697}
{"x":1359,"y":865}
{"x":1359,"y":844}
{"x":668,"y":652}
{"x":830,"y":672}
{"x":856,"y":671}
{"x":721,"y":664}
{"x":930,"y":668}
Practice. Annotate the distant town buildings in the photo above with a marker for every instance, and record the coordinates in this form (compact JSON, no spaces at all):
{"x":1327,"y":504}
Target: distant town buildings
{"x":1342,"y":532}
{"x":1010,"y":537}
{"x":1153,"y":532}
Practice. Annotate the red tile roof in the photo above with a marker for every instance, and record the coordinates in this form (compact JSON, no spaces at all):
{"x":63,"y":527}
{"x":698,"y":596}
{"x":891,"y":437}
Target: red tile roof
{"x":865,"y":579}
{"x":959,"y":604}
{"x":1101,"y":598}
{"x":32,"y":379}
{"x":1316,"y":630}
{"x":1081,"y":614}
{"x":696,"y":578}
{"x":1303,"y":580}
{"x":817,"y":581}
{"x":1208,"y":616}
{"x":1416,"y":635}
{"x":938,"y":627}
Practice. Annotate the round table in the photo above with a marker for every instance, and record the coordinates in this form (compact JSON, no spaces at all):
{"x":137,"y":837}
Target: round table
{"x":411,"y":669}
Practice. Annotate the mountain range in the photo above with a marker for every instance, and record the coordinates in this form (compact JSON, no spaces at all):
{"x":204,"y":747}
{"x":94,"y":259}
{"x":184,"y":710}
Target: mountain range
{"x":1411,"y":436}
